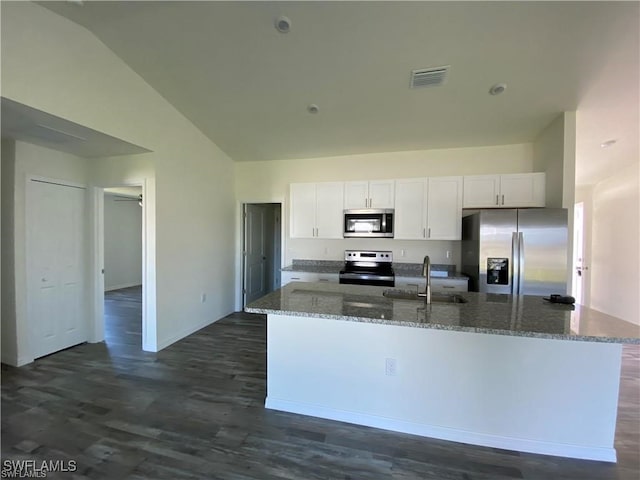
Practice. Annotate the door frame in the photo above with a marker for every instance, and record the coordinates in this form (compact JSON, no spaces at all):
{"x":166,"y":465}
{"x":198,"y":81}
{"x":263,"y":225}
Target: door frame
{"x":241,"y":245}
{"x":149,"y":320}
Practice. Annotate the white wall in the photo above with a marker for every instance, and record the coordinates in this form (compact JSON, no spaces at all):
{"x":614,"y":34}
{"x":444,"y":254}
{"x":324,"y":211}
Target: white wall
{"x":269,"y":182}
{"x":548,"y":155}
{"x":122,"y":242}
{"x":56,"y":66}
{"x":615,"y":245}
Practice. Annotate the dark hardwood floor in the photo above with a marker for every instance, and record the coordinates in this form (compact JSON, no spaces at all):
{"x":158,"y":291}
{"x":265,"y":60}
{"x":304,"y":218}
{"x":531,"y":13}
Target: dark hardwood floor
{"x":195,"y":411}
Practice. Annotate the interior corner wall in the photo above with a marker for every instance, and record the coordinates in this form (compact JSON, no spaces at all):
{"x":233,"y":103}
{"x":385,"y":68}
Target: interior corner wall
{"x":56,"y":66}
{"x":548,"y":157}
{"x":8,"y":307}
{"x":615,"y":245}
{"x":122,"y":242}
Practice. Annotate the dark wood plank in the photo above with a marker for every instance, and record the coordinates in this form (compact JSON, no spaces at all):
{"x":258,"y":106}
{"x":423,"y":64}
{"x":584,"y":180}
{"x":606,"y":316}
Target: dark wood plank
{"x":195,"y":411}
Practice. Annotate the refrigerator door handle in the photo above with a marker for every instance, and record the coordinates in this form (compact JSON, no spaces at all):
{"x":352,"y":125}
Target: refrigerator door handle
{"x":515,"y":257}
{"x":521,"y":261}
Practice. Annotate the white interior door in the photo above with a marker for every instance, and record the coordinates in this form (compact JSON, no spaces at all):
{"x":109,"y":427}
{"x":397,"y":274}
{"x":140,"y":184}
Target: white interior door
{"x":55,"y":267}
{"x":255,"y":253}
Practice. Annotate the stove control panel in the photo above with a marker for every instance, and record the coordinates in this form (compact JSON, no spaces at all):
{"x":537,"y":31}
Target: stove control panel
{"x":376,"y":256}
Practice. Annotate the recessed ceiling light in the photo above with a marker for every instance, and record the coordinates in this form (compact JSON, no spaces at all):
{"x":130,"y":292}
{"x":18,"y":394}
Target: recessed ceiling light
{"x":313,"y":108}
{"x":283,"y":24}
{"x":608,"y":143}
{"x":498,"y":88}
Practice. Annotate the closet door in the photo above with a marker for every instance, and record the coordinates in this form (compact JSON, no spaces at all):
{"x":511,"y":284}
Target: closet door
{"x":56,"y":305}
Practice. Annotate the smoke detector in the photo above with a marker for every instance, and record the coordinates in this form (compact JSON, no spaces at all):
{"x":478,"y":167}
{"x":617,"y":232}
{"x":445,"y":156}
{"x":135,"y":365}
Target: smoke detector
{"x":283,"y":24}
{"x":429,"y":77}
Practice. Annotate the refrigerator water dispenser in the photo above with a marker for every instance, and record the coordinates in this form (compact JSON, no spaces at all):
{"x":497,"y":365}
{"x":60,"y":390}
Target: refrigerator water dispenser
{"x":498,"y":271}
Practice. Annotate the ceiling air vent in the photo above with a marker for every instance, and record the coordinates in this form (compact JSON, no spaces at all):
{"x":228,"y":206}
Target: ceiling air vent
{"x":429,"y":77}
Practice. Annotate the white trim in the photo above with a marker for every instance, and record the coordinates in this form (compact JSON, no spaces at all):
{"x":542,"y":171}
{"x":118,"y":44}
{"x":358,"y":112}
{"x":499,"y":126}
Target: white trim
{"x":443,"y":433}
{"x":55,"y":181}
{"x":149,"y":320}
{"x":121,"y":286}
{"x":239,"y":297}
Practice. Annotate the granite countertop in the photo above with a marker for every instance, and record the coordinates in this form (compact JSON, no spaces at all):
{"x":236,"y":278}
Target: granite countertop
{"x":400,"y":269}
{"x":525,"y":316}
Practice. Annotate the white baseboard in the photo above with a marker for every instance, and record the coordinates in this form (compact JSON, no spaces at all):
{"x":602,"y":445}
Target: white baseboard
{"x":122,"y":285}
{"x":444,"y":433}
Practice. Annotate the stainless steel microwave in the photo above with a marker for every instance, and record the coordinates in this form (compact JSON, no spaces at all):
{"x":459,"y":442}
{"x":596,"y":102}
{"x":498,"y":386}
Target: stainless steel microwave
{"x":368,"y":223}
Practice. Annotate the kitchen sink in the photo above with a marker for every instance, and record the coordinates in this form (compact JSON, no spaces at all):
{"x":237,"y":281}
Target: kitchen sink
{"x":435,"y":297}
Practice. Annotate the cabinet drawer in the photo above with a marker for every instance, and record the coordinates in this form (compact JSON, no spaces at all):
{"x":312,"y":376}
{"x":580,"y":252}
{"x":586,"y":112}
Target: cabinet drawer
{"x":442,"y":285}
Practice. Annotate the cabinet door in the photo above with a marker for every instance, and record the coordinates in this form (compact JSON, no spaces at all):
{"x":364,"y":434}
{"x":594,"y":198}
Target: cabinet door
{"x":329,"y":210}
{"x":410,"y":213}
{"x":444,"y":208}
{"x":356,"y":194}
{"x":417,"y":284}
{"x":522,"y":190}
{"x":481,"y":191}
{"x":302,"y":208}
{"x":381,"y":193}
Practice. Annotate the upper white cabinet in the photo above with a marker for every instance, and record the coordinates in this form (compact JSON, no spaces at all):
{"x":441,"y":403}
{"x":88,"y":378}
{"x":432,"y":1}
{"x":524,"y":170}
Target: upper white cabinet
{"x":316,"y":210}
{"x":444,"y":208}
{"x":410,"y":222}
{"x":512,"y":190}
{"x":428,"y":208}
{"x":369,"y":194}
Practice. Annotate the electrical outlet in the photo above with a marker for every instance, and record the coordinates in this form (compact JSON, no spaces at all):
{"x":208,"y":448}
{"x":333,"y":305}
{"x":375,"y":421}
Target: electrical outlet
{"x":402,"y":252}
{"x":448,"y":254}
{"x":203,"y":298}
{"x":390,"y":367}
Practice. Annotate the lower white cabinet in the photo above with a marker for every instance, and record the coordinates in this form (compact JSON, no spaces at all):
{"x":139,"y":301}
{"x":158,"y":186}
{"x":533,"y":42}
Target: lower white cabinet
{"x":438,"y":285}
{"x":449,"y":285}
{"x":288,"y":277}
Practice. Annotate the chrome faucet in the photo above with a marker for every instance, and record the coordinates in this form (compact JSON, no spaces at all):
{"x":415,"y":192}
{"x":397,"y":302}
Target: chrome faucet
{"x":426,"y":272}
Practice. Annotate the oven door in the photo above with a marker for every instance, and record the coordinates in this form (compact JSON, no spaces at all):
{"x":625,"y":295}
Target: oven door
{"x":367,"y":278}
{"x":368,"y":223}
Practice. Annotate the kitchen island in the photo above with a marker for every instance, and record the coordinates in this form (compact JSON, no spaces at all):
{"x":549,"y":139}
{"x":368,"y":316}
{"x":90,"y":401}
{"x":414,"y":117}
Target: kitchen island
{"x":501,"y":371}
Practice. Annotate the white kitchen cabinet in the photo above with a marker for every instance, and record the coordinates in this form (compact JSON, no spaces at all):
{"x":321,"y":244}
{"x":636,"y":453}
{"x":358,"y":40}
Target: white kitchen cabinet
{"x":316,"y":210}
{"x":369,"y":194}
{"x":444,"y":208}
{"x":508,"y":191}
{"x":428,"y":208}
{"x":288,"y":277}
{"x":410,"y":221}
{"x":449,"y":285}
{"x":438,"y":285}
{"x":417,"y":284}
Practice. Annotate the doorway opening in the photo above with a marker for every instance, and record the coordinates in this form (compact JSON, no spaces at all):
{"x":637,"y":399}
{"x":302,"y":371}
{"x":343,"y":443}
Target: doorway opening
{"x":579,"y":266}
{"x":262,"y":250}
{"x":122,"y":240}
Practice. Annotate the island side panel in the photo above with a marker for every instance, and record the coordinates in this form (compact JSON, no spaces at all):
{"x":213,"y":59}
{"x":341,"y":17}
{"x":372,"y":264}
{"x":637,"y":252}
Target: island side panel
{"x":535,"y":395}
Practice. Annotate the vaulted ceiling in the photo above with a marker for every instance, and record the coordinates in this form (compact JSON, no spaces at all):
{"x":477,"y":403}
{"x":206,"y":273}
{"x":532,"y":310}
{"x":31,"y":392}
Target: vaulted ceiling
{"x":248,"y":86}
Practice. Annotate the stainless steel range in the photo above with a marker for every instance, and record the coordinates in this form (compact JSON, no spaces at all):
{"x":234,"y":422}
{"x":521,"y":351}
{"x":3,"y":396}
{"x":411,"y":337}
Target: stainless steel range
{"x":368,"y":267}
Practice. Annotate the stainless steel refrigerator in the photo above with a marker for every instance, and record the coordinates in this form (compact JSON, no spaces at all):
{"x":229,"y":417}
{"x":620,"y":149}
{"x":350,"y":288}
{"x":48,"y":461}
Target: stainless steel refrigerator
{"x":519,"y":252}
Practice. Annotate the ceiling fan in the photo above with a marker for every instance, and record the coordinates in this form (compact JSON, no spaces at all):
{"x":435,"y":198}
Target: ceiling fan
{"x":129,"y":199}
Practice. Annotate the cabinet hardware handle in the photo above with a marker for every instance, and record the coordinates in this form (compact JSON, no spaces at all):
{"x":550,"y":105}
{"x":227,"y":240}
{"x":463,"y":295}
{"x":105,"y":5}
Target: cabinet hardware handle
{"x":323,"y":280}
{"x":497,"y":200}
{"x":295,"y":278}
{"x":447,"y":286}
{"x":429,"y":233}
{"x":503,"y":199}
{"x":424,"y":233}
